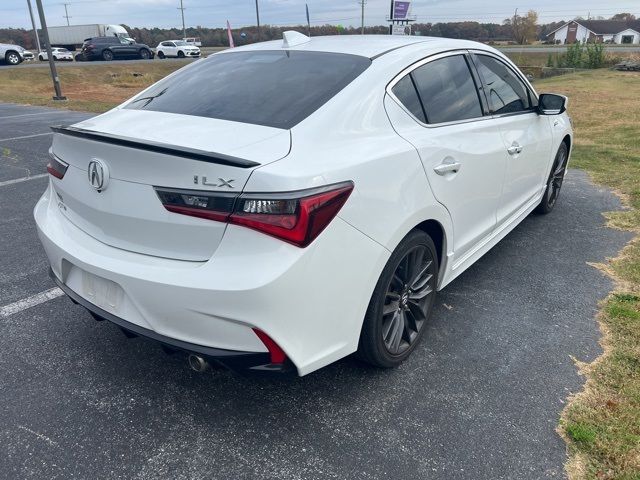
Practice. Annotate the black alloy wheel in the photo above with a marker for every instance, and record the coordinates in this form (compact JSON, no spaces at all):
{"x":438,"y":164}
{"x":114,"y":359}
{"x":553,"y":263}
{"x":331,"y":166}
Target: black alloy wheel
{"x":554,"y":182}
{"x":107,"y":55}
{"x":401,"y":303}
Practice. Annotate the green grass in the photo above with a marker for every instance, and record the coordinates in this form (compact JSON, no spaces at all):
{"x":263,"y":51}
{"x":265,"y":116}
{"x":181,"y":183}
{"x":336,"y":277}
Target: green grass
{"x":602,"y":423}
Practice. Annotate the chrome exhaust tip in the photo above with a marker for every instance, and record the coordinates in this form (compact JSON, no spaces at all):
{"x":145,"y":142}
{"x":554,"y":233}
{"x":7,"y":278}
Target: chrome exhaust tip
{"x":198,"y":363}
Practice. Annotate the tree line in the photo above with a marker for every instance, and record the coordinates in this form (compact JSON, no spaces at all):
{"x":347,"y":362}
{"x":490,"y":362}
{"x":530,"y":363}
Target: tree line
{"x":519,"y":29}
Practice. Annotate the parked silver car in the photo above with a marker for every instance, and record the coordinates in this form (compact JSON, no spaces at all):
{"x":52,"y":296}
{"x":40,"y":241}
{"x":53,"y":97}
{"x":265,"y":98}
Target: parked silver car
{"x":14,"y":54}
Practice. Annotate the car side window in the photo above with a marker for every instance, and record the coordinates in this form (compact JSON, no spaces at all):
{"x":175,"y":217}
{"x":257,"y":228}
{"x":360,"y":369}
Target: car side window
{"x":405,"y":91}
{"x":505,"y":92}
{"x":447,"y":90}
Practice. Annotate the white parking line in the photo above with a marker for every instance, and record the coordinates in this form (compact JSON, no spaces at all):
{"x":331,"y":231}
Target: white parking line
{"x":32,"y":114}
{"x":29,"y":302}
{"x":26,"y":136}
{"x":23,"y":179}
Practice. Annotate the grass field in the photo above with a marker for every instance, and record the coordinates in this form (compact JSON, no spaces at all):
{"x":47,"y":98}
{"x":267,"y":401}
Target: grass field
{"x":88,"y":88}
{"x":601,"y":424}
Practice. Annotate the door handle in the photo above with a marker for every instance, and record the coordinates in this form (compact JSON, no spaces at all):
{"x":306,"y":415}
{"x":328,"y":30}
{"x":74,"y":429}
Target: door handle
{"x":514,"y":149}
{"x":449,"y":167}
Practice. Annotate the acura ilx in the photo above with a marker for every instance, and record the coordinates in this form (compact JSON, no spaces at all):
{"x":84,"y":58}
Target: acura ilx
{"x":279,"y":206}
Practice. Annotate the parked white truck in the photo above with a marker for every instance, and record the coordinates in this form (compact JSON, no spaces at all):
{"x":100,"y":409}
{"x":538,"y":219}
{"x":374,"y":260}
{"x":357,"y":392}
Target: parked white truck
{"x":73,"y":36}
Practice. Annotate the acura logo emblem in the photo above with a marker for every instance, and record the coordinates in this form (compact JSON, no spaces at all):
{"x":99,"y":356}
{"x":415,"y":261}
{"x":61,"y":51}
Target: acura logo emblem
{"x":98,"y":174}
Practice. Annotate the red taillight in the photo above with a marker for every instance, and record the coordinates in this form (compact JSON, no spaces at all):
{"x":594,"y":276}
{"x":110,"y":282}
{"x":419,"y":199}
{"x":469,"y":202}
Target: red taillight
{"x":56,"y":167}
{"x":295,"y":217}
{"x":275,"y":352}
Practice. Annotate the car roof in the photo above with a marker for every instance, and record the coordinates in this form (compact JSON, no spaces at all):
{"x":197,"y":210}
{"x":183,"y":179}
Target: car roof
{"x":370,"y":46}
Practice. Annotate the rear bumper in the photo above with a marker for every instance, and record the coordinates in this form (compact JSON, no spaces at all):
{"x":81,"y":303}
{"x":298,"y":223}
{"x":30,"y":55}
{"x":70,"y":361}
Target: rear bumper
{"x":310,"y":301}
{"x":238,"y":361}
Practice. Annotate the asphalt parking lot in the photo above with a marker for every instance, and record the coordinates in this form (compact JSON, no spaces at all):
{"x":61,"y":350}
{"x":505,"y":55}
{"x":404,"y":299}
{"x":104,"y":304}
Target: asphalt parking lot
{"x":479,"y":399}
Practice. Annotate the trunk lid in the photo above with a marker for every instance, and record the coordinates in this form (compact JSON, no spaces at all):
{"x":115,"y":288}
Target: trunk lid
{"x":140,"y":150}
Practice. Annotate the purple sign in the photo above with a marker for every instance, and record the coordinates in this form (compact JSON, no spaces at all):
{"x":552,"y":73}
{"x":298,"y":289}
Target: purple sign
{"x":400,"y":10}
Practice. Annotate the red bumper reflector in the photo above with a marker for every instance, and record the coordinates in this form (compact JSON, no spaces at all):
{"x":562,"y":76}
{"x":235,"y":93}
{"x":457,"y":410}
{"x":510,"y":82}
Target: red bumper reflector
{"x":276,"y":353}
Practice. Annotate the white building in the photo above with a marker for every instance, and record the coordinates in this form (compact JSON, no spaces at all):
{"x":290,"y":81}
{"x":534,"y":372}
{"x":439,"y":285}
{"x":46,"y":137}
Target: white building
{"x":609,"y":31}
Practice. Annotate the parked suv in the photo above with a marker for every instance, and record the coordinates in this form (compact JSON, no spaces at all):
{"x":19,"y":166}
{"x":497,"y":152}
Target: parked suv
{"x":14,"y":54}
{"x":177,"y":48}
{"x":110,"y":48}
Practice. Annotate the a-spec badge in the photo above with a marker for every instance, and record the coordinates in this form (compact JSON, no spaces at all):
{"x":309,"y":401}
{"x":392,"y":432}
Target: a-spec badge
{"x":98,"y":174}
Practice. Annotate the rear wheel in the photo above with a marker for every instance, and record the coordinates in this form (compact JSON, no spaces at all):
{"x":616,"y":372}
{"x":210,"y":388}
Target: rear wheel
{"x":55,"y":59}
{"x":144,"y":54}
{"x":160,"y":54}
{"x":554,"y":182}
{"x":180,"y":54}
{"x":12,"y":58}
{"x":107,"y":55}
{"x":401,"y":303}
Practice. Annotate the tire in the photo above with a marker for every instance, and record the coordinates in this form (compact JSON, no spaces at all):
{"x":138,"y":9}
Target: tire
{"x":55,"y":59}
{"x":180,"y":54}
{"x":12,"y":58}
{"x":161,"y":55}
{"x":145,"y":54}
{"x":41,"y":58}
{"x":554,"y":182}
{"x":107,"y":55}
{"x":387,"y":339}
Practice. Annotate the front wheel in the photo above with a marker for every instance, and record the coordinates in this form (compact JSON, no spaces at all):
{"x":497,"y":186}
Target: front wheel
{"x":401,"y":303}
{"x":180,"y":54}
{"x":144,"y":54}
{"x":12,"y":58}
{"x":554,"y":182}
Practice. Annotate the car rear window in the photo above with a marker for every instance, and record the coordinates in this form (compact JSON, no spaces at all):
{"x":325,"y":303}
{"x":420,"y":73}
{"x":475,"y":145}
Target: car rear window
{"x":273,"y":88}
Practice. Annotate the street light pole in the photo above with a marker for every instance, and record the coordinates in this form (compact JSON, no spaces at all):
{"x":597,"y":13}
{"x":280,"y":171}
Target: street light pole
{"x":258,"y":19}
{"x":47,"y":46}
{"x":362,"y":4}
{"x":35,"y":30}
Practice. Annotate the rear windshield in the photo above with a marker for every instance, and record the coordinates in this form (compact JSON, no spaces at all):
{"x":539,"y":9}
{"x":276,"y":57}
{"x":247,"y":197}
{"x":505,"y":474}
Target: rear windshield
{"x":273,"y":88}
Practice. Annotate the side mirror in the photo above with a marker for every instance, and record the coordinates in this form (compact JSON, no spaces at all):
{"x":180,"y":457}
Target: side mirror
{"x":552,"y":104}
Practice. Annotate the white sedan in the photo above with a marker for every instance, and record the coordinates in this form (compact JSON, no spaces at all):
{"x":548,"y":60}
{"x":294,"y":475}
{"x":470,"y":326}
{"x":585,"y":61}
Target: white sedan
{"x":279,"y":206}
{"x":58,"y":54}
{"x":177,"y":48}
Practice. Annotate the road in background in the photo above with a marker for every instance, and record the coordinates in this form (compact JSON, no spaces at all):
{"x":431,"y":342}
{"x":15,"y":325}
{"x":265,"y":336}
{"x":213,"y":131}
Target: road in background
{"x":479,"y":398}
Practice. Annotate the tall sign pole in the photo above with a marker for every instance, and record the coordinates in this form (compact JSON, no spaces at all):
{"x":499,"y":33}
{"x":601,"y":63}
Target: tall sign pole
{"x":258,"y":19}
{"x":33,"y":23}
{"x":47,"y":46}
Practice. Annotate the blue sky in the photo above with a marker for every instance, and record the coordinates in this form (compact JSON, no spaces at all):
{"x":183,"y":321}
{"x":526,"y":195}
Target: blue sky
{"x":214,"y":13}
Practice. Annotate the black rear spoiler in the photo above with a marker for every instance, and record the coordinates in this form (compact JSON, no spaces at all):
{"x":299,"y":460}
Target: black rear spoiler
{"x":163,"y":148}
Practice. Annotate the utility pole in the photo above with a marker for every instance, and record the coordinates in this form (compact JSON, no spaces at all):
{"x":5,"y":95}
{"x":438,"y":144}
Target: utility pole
{"x":514,"y":26}
{"x":47,"y":46}
{"x":66,"y":13}
{"x":184,"y":30}
{"x":362,"y":4}
{"x":258,"y":19}
{"x":33,"y":23}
